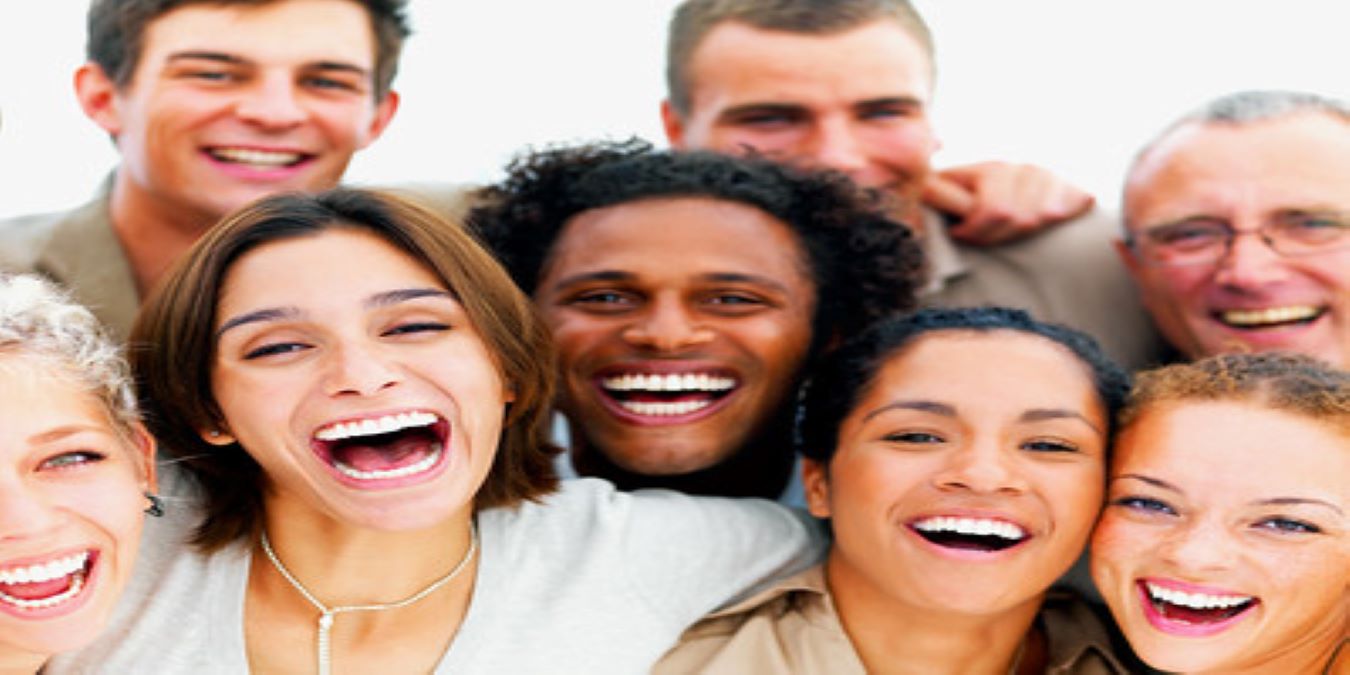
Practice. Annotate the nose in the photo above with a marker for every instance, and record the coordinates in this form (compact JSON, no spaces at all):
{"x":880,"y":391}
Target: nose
{"x":667,"y":325}
{"x":23,"y":512}
{"x":1201,"y":546}
{"x":835,"y":145}
{"x":358,"y":370}
{"x":271,"y":103}
{"x":1250,"y":262}
{"x":982,"y":467}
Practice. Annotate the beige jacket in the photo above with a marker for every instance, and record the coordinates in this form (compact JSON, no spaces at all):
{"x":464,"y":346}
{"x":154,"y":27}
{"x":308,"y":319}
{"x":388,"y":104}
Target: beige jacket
{"x":791,"y":628}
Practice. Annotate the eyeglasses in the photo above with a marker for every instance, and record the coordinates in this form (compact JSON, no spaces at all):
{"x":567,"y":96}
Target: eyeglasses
{"x":1204,"y":241}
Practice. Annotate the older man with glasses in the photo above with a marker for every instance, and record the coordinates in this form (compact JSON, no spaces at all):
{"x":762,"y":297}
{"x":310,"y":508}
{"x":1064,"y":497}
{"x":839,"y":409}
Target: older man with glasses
{"x":1237,"y":223}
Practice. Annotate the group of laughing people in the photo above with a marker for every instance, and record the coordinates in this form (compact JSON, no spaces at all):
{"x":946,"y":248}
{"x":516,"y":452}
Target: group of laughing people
{"x":783,"y":398}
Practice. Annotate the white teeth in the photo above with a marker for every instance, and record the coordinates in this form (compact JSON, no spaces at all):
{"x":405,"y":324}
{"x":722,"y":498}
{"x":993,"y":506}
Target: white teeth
{"x":54,"y":569}
{"x":973,"y":526}
{"x":1195,"y":600}
{"x":266,"y":158}
{"x":412,"y":469}
{"x":671,"y":382}
{"x":1269,"y":315}
{"x":373,"y":427}
{"x":76,"y":584}
{"x":664,"y":409}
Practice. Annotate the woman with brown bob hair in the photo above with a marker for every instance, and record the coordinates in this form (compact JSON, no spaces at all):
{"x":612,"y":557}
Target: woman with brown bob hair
{"x":358,"y":395}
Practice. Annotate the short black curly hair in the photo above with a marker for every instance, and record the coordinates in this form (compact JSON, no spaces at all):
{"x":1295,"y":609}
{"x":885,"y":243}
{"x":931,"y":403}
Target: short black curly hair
{"x":843,"y":378}
{"x":864,"y":264}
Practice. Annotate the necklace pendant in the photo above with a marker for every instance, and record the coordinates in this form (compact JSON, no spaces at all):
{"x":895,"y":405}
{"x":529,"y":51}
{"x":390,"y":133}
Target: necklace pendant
{"x":326,"y":621}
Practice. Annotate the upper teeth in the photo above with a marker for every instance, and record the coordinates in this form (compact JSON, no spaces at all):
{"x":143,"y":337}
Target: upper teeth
{"x":251,"y":156}
{"x":977,"y":526}
{"x":668,"y":382}
{"x":1257,"y":317}
{"x":375,"y":426}
{"x":54,"y":569}
{"x":1195,"y":600}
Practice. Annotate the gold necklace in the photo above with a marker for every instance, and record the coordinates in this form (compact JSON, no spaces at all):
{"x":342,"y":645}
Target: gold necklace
{"x":326,"y":614}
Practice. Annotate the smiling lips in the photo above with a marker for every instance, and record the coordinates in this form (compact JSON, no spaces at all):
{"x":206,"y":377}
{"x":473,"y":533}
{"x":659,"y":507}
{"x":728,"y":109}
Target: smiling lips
{"x":1195,"y":612}
{"x":666,"y":394}
{"x":45,"y":585}
{"x":391,"y":448}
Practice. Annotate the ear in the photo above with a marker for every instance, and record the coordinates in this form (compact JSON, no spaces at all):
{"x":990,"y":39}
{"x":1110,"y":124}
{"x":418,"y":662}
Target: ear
{"x":384,"y":114}
{"x":97,"y":94}
{"x":673,"y":124}
{"x":1127,"y":256}
{"x":816,"y":484}
{"x":145,"y":452}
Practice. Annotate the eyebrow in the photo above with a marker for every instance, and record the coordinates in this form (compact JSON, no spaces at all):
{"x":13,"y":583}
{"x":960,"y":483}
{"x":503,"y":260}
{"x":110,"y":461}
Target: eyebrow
{"x":945,"y":410}
{"x":61,"y":432}
{"x":384,"y":299}
{"x":234,"y":59}
{"x":1273,"y":501}
{"x":1155,"y":482}
{"x":1042,"y":414}
{"x":719,"y":277}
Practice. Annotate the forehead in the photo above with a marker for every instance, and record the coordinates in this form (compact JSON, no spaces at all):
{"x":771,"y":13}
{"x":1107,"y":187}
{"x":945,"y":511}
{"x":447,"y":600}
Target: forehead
{"x":737,"y":63}
{"x":1234,"y":447}
{"x":1298,"y":161}
{"x":300,"y":272}
{"x":291,"y":32}
{"x":1012,"y":369}
{"x":37,"y":393}
{"x":681,"y":236}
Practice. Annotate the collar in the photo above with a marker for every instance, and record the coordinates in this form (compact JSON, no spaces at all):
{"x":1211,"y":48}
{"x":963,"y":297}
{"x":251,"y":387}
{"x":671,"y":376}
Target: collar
{"x":941,"y":252}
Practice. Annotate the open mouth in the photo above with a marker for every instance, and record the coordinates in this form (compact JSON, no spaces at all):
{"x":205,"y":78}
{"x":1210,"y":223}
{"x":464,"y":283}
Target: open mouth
{"x":383,"y":448}
{"x":970,"y":534}
{"x":46,"y":585}
{"x":667,"y":394}
{"x":1269,"y":317}
{"x":1194,"y":609}
{"x":257,"y":159}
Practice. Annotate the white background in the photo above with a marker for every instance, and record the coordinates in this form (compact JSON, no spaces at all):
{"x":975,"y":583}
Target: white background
{"x":1074,"y":85}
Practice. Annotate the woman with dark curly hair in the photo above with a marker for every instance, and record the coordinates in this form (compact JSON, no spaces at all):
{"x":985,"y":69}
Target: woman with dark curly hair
{"x":687,"y":293}
{"x":1225,"y":544}
{"x":359,"y":396}
{"x":960,"y":456}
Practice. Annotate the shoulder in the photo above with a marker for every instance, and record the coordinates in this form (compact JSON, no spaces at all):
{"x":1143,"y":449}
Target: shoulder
{"x":1079,"y":640}
{"x":25,"y":239}
{"x":451,"y":201}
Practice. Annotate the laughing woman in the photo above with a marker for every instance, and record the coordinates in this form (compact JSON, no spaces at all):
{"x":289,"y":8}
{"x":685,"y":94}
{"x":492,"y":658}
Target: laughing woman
{"x":360,"y":396}
{"x":960,"y":456}
{"x":1225,"y":545}
{"x":74,"y":475}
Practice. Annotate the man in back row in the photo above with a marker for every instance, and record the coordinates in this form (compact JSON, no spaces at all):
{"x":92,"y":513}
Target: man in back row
{"x":847,"y":85}
{"x":212,"y":104}
{"x":1237,"y":221}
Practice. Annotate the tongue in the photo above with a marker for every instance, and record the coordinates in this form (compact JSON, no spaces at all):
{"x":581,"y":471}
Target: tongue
{"x":394,"y":454}
{"x":36,"y":590}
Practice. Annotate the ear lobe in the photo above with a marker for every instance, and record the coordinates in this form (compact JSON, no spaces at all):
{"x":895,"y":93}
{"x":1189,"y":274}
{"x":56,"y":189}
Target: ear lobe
{"x":217,"y":437}
{"x":816,"y":484}
{"x":97,"y":95}
{"x":673,"y":125}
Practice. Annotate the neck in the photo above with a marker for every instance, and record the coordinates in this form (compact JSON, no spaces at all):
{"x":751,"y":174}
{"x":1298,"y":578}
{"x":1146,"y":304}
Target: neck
{"x":153,"y":233}
{"x":762,"y":468}
{"x":893,"y":636}
{"x":20,"y":662}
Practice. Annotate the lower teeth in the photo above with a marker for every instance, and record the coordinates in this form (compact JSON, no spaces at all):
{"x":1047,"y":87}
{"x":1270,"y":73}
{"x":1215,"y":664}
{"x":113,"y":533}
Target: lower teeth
{"x":415,"y":468}
{"x":76,"y":584}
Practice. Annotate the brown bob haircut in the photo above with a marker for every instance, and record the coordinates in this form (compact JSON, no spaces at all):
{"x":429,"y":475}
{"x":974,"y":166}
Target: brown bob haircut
{"x":173,"y":347}
{"x":117,"y":32}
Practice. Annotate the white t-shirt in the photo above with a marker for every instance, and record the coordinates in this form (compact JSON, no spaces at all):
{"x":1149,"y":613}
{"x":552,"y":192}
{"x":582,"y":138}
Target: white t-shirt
{"x":590,"y":581}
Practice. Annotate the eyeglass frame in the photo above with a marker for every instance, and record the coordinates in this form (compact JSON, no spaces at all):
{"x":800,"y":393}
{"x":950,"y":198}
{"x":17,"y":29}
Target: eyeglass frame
{"x":1145,"y":244}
